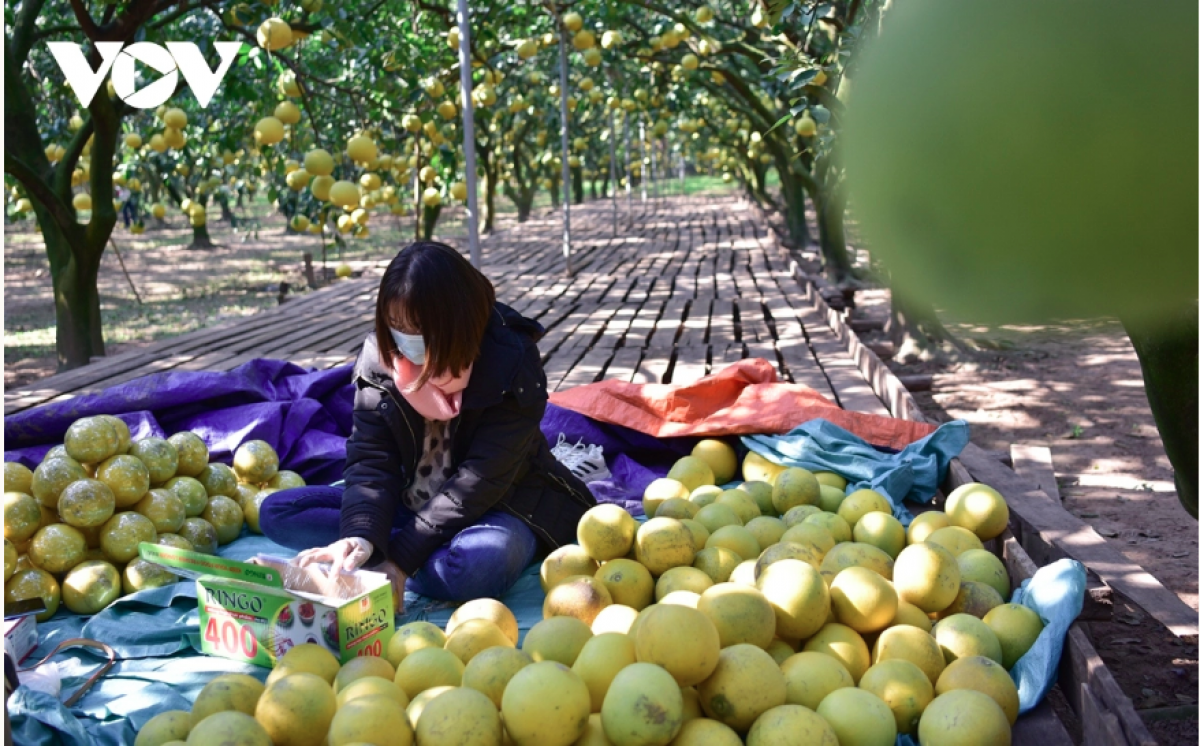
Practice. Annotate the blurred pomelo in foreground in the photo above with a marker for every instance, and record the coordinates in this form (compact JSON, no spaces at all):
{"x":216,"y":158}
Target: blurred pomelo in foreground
{"x":999,"y":186}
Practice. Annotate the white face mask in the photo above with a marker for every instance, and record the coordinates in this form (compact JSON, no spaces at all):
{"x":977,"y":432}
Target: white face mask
{"x":412,"y":346}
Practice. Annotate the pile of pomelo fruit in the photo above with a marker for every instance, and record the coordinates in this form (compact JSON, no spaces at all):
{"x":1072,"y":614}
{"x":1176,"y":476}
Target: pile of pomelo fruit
{"x":780,"y":612}
{"x":72,"y":526}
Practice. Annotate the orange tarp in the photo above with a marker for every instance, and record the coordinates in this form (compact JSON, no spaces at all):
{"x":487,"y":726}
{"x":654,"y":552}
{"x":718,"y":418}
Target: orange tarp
{"x":745,"y":398}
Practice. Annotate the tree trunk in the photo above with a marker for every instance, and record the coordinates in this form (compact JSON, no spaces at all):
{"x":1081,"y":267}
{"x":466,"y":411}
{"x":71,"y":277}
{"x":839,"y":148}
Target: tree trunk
{"x":831,"y":235}
{"x":1167,"y":351}
{"x":556,"y":192}
{"x":430,"y":222}
{"x":200,"y":238}
{"x":79,"y":332}
{"x":918,"y":334}
{"x":577,"y":186}
{"x":489,"y":222}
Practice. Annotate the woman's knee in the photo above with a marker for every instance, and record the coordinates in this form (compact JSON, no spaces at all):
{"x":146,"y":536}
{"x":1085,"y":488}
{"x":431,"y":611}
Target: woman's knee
{"x":302,"y":516}
{"x":481,"y":561}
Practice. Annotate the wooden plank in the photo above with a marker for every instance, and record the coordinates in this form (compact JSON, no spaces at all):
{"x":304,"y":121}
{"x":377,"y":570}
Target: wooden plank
{"x":654,"y":366}
{"x":624,"y":364}
{"x":695,"y":327}
{"x":720,"y":325}
{"x":691,"y":364}
{"x":588,"y":369}
{"x":1041,"y":727}
{"x":1035,"y":464}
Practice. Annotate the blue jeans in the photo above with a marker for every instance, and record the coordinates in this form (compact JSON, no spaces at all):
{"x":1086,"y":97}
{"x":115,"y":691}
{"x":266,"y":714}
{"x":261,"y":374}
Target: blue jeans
{"x":482,"y":560}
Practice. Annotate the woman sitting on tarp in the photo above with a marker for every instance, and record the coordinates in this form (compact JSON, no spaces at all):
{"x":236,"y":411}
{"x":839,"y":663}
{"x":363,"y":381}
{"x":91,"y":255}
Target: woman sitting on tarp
{"x":449,"y":482}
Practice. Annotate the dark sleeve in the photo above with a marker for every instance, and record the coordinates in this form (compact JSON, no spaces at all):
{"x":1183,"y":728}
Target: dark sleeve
{"x":499,"y":449}
{"x":374,"y":478}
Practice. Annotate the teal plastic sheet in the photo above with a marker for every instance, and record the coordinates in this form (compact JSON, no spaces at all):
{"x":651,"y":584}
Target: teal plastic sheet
{"x":911,"y":474}
{"x":156,"y":636}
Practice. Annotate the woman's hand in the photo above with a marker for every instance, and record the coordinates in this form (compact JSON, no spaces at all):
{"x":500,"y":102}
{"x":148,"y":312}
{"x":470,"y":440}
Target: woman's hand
{"x":347,"y":555}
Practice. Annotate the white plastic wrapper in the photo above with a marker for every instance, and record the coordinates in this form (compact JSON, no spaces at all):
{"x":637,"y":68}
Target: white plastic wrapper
{"x":45,"y":678}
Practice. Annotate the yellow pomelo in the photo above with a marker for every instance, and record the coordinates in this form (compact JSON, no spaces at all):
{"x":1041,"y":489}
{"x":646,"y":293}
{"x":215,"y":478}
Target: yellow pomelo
{"x":426,"y":668}
{"x":954,"y":539}
{"x":927,"y":576}
{"x":58,"y":547}
{"x":962,"y":636}
{"x":979,"y":509}
{"x":474,"y":636}
{"x":615,"y":618}
{"x":860,"y":502}
{"x":422,"y":700}
{"x":780,"y":650}
{"x":158,"y":455}
{"x":172,"y":725}
{"x":226,"y":517}
{"x":593,"y":733}
{"x":410,"y":638}
{"x":736,"y":539}
{"x":23,"y":514}
{"x":218,"y":479}
{"x":628,"y":583}
{"x":676,"y":507}
{"x":794,"y":486}
{"x":795,"y":516}
{"x":255,"y":461}
{"x":558,"y":638}
{"x":880,"y":530}
{"x":809,"y":533}
{"x":10,"y":559}
{"x":163,"y":507}
{"x":489,"y":609}
{"x":374,"y":719}
{"x":964,"y":717}
{"x":311,"y":658}
{"x":230,"y":727}
{"x":318,"y":162}
{"x":274,"y":34}
{"x":564,"y":562}
{"x":745,"y":684}
{"x":854,"y":554}
{"x":52,"y":476}
{"x":344,"y":194}
{"x":17,"y":477}
{"x":489,"y":671}
{"x":833,"y":523}
{"x":692,"y":472}
{"x":741,"y":614}
{"x":691,"y":704}
{"x":601,"y":658}
{"x":830,"y":479}
{"x":798,"y":596}
{"x":126,"y":476}
{"x":90,"y":587}
{"x":976,"y":599}
{"x":26,"y":583}
{"x":767,"y":530}
{"x":706,"y":732}
{"x":297,"y":709}
{"x":791,"y":724}
{"x":361,"y":149}
{"x":717,"y":562}
{"x":663,"y":543}
{"x":1016,"y":627}
{"x":676,"y":598}
{"x":859,"y":718}
{"x":804,"y":552}
{"x":681,"y":579}
{"x":698,"y":531}
{"x":716,"y":516}
{"x":546,"y":704}
{"x":761,"y":493}
{"x":862,"y":600}
{"x":720,"y":457}
{"x":580,"y":596}
{"x":908,"y":614}
{"x":372,"y":686}
{"x":925,"y":524}
{"x":985,"y":676}
{"x":831,"y":499}
{"x":268,"y":131}
{"x":90,"y":440}
{"x":811,"y":676}
{"x":981,"y":566}
{"x":190,"y":492}
{"x":742,"y":504}
{"x":606,"y":532}
{"x":361,"y":668}
{"x":705,"y":494}
{"x":912,"y":644}
{"x":903,"y":687}
{"x":756,"y":468}
{"x":460,"y":716}
{"x":230,"y":691}
{"x":844,"y":644}
{"x":683,"y":641}
{"x":643,"y":706}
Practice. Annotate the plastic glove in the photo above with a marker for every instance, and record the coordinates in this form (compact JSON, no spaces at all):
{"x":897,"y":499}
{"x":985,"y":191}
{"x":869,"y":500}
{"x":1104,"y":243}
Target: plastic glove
{"x":347,"y":555}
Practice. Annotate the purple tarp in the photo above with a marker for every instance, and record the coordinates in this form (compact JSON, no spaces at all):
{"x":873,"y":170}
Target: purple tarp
{"x":306,"y":416}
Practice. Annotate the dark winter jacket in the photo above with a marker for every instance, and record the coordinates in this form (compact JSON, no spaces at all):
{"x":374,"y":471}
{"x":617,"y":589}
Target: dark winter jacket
{"x":500,"y":457}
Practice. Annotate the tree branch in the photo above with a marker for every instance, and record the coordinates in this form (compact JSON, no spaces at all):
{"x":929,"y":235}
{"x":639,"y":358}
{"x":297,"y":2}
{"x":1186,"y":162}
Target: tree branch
{"x":23,"y":31}
{"x":86,"y":23}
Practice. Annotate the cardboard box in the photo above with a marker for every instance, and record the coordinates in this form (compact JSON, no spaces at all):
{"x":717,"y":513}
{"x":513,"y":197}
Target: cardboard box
{"x":256,"y":612}
{"x":20,"y":637}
